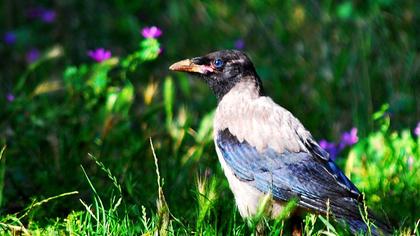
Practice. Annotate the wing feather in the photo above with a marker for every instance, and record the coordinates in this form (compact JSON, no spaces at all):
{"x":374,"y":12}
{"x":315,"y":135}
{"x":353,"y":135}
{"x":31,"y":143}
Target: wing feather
{"x":287,"y":175}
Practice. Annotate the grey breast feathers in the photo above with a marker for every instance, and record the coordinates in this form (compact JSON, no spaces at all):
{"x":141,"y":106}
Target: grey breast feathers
{"x":262,"y":123}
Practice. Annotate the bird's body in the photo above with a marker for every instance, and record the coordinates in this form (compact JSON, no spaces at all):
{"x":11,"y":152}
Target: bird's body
{"x":264,"y":149}
{"x":229,"y":116}
{"x":246,"y":123}
{"x":252,"y":113}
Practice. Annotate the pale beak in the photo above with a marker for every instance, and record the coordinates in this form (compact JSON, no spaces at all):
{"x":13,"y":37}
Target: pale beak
{"x":189,"y":66}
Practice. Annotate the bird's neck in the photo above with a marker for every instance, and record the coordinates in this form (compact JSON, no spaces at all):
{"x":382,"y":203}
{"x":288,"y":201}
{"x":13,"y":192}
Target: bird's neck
{"x":248,"y":86}
{"x":236,"y":104}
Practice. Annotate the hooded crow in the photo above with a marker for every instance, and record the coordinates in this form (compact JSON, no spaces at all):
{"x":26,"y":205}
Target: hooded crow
{"x":264,"y":149}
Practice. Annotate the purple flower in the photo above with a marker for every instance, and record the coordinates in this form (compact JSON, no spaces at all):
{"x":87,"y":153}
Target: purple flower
{"x":99,"y":54}
{"x":10,"y":97}
{"x":151,"y":32}
{"x":417,"y":130}
{"x":9,"y":37}
{"x":239,"y":44}
{"x":48,"y":16}
{"x":44,"y":14}
{"x":331,"y":148}
{"x":32,"y":55}
{"x":349,"y":138}
{"x":35,"y":12}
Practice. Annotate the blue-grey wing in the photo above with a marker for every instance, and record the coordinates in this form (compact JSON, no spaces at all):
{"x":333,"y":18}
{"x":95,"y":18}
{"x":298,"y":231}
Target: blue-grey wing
{"x":312,"y":180}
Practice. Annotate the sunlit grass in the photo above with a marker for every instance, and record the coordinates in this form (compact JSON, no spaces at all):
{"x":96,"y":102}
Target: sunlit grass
{"x":114,"y":216}
{"x":76,"y":157}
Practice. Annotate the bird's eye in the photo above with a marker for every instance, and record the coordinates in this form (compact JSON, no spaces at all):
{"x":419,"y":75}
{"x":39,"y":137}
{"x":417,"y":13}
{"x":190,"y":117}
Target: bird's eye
{"x":218,"y":63}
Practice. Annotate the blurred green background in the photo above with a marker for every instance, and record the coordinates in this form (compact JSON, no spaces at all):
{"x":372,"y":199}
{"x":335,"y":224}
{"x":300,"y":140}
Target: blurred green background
{"x":333,"y":64}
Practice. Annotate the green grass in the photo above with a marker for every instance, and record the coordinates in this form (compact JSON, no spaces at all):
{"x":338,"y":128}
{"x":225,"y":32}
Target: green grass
{"x":212,"y":212}
{"x":76,"y":156}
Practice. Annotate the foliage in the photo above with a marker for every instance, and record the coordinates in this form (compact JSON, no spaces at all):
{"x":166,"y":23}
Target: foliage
{"x":82,"y":91}
{"x":385,"y":165}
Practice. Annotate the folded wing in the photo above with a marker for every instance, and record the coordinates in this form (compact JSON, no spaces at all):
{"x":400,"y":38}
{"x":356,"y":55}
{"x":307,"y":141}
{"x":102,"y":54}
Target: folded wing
{"x":314,"y":182}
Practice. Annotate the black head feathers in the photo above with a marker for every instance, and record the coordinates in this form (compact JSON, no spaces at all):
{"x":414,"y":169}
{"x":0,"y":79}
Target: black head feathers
{"x":221,"y":70}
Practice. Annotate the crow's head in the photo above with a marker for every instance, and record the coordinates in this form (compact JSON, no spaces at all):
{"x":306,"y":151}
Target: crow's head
{"x":221,"y":70}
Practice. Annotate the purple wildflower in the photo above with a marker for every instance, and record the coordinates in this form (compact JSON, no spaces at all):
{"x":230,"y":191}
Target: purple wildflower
{"x":44,"y":14}
{"x":417,"y":130}
{"x":10,"y":97}
{"x":349,"y":138}
{"x":151,"y":32}
{"x":9,"y":38}
{"x":239,"y":44}
{"x":99,"y":54}
{"x":48,"y":16}
{"x":32,"y":55}
{"x":331,"y":148}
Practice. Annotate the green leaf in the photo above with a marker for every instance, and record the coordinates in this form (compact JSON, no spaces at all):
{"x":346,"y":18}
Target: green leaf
{"x":329,"y":226}
{"x":74,"y":77}
{"x":149,"y":49}
{"x":70,"y":72}
{"x":111,"y":98}
{"x":98,"y":81}
{"x":379,"y":114}
{"x":124,"y":100}
{"x":345,"y":10}
{"x":168,"y":98}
